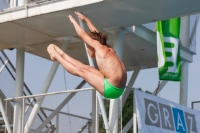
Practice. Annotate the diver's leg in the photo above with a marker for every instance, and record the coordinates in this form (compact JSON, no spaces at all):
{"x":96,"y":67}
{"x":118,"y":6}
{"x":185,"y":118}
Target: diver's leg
{"x":92,"y":78}
{"x":72,"y":60}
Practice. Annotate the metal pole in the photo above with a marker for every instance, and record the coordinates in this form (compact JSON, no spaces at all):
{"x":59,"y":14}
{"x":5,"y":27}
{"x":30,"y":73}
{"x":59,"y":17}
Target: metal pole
{"x":185,"y":31}
{"x":57,"y":123}
{"x":3,"y":66}
{"x":94,"y":111}
{"x":56,"y":111}
{"x":4,"y":116}
{"x":194,"y":28}
{"x":89,"y":127}
{"x":96,"y":96}
{"x":23,"y":113}
{"x":44,"y":89}
{"x":185,"y":23}
{"x":134,"y":114}
{"x":162,"y":84}
{"x":130,"y":84}
{"x":184,"y":84}
{"x":97,"y":113}
{"x":13,"y":3}
{"x":114,"y":103}
{"x":17,"y":122}
{"x":21,"y":2}
{"x":128,"y":126}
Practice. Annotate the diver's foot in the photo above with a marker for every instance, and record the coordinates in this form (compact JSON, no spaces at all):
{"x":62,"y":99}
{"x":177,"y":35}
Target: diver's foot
{"x":58,"y":50}
{"x":51,"y":51}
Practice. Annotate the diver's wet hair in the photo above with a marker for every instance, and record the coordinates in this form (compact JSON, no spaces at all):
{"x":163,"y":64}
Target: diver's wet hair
{"x":101,"y":37}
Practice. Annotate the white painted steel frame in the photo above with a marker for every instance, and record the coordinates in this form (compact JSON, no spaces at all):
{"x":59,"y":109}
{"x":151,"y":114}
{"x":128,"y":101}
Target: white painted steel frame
{"x":134,"y":115}
{"x":125,"y":96}
{"x":185,"y":34}
{"x":44,"y":89}
{"x":128,"y":126}
{"x":83,"y":127}
{"x":5,"y":3}
{"x":194,"y":28}
{"x":4,"y":64}
{"x":57,"y":123}
{"x":184,"y":84}
{"x":157,"y":90}
{"x":34,"y":9}
{"x":131,"y":83}
{"x":47,"y":94}
{"x":17,"y":121}
{"x":3,"y":112}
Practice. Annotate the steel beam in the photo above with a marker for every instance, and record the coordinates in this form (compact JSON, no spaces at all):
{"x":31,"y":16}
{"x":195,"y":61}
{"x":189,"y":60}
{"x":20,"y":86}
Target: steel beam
{"x":17,"y":122}
{"x":184,"y":84}
{"x":157,"y":90}
{"x":185,"y":66}
{"x":2,"y":109}
{"x":57,"y":123}
{"x":128,"y":126}
{"x":130,"y":84}
{"x":185,"y":31}
{"x":194,"y":28}
{"x":3,"y":66}
{"x":44,"y":89}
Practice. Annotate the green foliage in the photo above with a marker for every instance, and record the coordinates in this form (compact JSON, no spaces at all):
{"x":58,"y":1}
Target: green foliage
{"x":127,"y":111}
{"x":101,"y":123}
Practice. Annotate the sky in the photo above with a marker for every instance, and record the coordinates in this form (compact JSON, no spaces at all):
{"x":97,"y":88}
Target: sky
{"x":37,"y":69}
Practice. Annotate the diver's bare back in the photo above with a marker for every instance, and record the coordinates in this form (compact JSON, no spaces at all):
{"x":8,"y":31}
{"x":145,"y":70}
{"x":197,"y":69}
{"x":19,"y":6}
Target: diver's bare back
{"x":111,"y":66}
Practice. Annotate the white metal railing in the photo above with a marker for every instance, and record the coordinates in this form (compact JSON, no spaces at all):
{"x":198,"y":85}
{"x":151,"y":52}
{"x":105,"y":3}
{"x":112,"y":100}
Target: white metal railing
{"x":53,"y":127}
{"x":6,"y":4}
{"x":47,"y":94}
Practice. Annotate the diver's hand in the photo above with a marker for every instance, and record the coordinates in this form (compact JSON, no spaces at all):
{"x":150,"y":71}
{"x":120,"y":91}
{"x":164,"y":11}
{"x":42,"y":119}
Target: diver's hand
{"x":71,"y":19}
{"x":82,"y":17}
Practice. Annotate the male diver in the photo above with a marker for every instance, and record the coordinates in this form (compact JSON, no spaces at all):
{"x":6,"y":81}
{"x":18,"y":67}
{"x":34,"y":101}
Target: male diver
{"x":111,"y":77}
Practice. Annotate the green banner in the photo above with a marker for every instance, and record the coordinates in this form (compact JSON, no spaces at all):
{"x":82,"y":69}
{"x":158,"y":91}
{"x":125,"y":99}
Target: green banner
{"x":168,"y":49}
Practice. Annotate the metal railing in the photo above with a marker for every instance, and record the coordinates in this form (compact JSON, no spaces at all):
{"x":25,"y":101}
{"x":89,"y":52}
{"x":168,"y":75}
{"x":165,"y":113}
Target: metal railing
{"x":195,"y":105}
{"x":8,"y":66}
{"x":8,"y":4}
{"x":85,"y":122}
